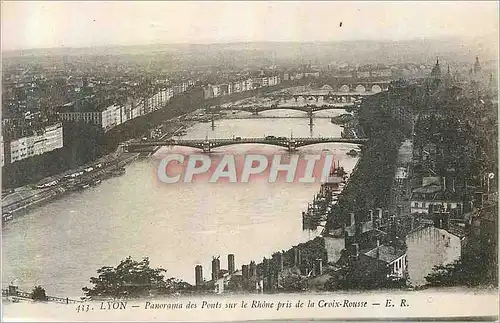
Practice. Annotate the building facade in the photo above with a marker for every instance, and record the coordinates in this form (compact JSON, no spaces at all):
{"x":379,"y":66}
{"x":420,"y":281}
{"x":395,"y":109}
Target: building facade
{"x":49,"y":139}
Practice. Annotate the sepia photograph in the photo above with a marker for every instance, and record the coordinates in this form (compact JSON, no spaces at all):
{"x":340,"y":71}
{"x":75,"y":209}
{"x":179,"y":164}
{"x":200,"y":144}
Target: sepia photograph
{"x":220,"y":161}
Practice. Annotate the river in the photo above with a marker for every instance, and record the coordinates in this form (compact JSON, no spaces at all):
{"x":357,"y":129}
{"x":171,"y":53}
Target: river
{"x":61,"y":244}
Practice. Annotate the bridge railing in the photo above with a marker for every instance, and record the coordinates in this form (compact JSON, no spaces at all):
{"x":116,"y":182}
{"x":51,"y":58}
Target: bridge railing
{"x":245,"y":140}
{"x":26,"y":295}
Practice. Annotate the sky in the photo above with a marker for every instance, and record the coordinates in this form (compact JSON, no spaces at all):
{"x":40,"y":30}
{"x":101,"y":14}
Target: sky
{"x":39,"y":24}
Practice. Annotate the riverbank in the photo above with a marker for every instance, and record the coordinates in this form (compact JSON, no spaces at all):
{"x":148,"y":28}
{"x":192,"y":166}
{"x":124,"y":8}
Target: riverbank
{"x":27,"y":198}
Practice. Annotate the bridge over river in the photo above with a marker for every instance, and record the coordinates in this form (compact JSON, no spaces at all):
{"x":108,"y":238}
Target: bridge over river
{"x":208,"y":144}
{"x":309,"y":108}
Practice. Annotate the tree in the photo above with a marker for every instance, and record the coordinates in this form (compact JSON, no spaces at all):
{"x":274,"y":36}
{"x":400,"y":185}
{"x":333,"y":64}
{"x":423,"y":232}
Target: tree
{"x":131,"y":279}
{"x":38,"y":294}
{"x":471,"y":270}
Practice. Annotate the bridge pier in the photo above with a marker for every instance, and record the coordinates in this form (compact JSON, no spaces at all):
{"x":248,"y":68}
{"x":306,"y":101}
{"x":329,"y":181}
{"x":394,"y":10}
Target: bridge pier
{"x":310,"y":114}
{"x":291,"y":146}
{"x":296,"y":98}
{"x":255,"y":112}
{"x":213,"y":123}
{"x":206,"y":147}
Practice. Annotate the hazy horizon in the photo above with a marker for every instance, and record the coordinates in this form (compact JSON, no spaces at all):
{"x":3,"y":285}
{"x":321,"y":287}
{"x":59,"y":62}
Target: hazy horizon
{"x":76,"y":25}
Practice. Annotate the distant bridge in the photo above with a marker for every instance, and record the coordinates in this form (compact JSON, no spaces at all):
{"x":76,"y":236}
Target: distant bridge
{"x":362,"y":86}
{"x":345,"y":92}
{"x":337,"y":97}
{"x":208,"y":144}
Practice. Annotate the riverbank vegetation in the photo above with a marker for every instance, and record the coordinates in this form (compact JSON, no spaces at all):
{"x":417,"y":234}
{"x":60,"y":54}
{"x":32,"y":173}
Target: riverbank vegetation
{"x":370,"y":185}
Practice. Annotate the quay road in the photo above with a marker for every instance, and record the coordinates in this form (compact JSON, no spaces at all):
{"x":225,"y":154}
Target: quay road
{"x":208,"y":144}
{"x":27,"y":197}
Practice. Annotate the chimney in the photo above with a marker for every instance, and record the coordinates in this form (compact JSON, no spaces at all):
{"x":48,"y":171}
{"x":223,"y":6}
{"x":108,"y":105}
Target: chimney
{"x":253,"y":269}
{"x":318,"y":267}
{"x":244,"y":272}
{"x":198,"y":275}
{"x":355,"y":250}
{"x":230,"y":263}
{"x":353,"y":219}
{"x":215,"y":268}
{"x":347,"y":242}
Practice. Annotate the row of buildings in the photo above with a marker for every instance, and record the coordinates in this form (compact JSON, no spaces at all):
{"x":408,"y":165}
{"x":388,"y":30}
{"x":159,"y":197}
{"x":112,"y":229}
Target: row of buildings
{"x":111,"y":114}
{"x":255,"y":82}
{"x":44,"y":140}
{"x":252,"y":83}
{"x":105,"y":113}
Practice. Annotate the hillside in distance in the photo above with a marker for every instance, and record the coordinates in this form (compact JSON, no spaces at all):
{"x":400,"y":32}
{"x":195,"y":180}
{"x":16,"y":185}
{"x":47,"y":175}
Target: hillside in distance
{"x":283,"y":53}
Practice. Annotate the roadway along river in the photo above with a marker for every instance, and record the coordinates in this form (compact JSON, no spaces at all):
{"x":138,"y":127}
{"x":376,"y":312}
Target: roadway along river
{"x":62,"y":244}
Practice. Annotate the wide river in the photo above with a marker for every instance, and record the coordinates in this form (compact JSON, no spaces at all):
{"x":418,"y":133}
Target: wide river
{"x":61,"y":244}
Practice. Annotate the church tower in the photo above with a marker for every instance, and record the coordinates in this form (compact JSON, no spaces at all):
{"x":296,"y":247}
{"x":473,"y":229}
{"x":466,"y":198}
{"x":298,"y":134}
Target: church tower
{"x":477,"y":66}
{"x":436,"y":71}
{"x":435,"y":77}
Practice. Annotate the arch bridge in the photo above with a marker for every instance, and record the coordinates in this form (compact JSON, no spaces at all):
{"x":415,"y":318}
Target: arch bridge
{"x":255,"y":109}
{"x":208,"y":144}
{"x":344,"y":92}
